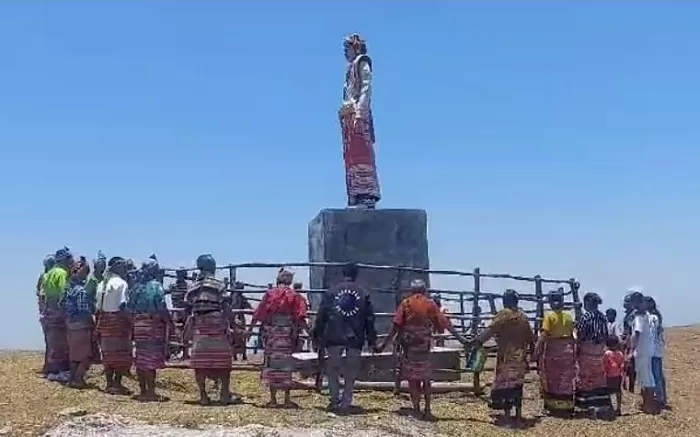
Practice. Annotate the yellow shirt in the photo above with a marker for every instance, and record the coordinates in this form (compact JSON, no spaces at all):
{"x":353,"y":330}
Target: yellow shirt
{"x":558,"y":324}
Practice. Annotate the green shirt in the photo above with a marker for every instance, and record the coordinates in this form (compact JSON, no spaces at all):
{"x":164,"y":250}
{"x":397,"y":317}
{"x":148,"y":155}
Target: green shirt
{"x":55,"y":282}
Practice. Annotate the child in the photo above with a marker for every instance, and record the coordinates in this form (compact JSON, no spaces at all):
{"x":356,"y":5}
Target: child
{"x":614,"y":363}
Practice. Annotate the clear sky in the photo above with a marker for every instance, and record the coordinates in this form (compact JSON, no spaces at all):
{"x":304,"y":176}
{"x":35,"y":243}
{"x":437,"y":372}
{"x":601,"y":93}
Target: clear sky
{"x":552,"y":138}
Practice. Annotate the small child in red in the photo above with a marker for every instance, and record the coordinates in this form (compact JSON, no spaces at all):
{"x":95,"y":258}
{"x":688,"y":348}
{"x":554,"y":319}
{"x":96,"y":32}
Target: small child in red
{"x":614,"y":361}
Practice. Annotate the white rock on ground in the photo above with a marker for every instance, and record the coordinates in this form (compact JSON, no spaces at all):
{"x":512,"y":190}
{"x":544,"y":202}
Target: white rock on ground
{"x":103,"y":425}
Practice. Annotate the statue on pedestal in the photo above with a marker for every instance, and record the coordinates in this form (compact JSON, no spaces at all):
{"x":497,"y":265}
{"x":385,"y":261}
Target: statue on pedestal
{"x":357,"y":126}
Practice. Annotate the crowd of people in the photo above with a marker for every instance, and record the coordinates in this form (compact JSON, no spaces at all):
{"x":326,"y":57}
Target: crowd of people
{"x":583,"y":364}
{"x":116,"y":315}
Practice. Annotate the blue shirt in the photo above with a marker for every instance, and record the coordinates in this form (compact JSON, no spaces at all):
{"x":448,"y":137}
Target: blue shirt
{"x":147,"y":298}
{"x":77,"y":303}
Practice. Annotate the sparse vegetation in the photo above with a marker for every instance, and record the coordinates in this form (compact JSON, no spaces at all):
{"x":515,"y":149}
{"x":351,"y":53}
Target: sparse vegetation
{"x":30,"y":404}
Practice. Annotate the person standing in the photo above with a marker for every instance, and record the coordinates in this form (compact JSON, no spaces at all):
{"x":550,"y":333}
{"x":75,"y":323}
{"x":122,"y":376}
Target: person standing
{"x":592,"y":391}
{"x":151,"y":320}
{"x":514,"y":339}
{"x":114,"y":326}
{"x":345,"y":322}
{"x":283,"y":315}
{"x":80,"y":308}
{"x":614,"y":328}
{"x":357,"y":126}
{"x":641,"y":349}
{"x":627,"y":329}
{"x":208,"y":329}
{"x":614,"y":362}
{"x":657,"y":354}
{"x":56,"y":283}
{"x":556,"y":359}
{"x":99,"y":265}
{"x":416,"y":320}
{"x":49,"y":262}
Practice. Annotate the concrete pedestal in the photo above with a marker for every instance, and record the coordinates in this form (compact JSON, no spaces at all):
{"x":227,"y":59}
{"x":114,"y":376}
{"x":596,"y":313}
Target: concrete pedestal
{"x":391,"y":237}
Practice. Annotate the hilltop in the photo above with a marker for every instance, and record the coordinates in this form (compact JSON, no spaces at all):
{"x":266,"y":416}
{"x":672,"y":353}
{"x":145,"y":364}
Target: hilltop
{"x":29,"y":405}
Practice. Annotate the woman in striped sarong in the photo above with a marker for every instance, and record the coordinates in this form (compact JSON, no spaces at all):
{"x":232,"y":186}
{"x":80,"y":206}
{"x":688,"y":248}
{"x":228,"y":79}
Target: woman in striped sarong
{"x":415,"y":321}
{"x":283,"y":314}
{"x":55,"y":285}
{"x":208,"y":329}
{"x":556,"y":359}
{"x":592,"y":391}
{"x":514,"y":338}
{"x":79,"y":312}
{"x":151,"y":321}
{"x":114,"y":326}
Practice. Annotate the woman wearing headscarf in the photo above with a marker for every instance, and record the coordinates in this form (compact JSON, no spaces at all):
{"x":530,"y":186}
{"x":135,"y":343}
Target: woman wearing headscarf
{"x":556,"y":359}
{"x":114,"y":326}
{"x":80,"y":308}
{"x":208,"y":330}
{"x":150,"y":319}
{"x":56,"y":283}
{"x":515,"y":339}
{"x":592,"y":391}
{"x":49,"y":262}
{"x":282,"y":313}
{"x":416,"y":320}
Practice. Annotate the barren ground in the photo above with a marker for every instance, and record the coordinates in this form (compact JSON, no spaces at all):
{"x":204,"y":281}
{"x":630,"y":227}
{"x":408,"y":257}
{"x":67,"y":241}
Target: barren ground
{"x":30,"y":405}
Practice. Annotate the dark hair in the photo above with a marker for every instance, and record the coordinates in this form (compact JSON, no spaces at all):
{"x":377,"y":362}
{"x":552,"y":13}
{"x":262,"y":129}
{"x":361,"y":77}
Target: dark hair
{"x":592,"y":299}
{"x":510,"y":299}
{"x":650,"y":305}
{"x":636,"y":297}
{"x":613,"y":342}
{"x":350,"y":271}
{"x":611,"y":311}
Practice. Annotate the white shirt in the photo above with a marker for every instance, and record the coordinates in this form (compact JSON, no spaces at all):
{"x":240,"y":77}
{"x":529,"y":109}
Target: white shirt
{"x":615,"y":329}
{"x":111,"y":294}
{"x":642,"y":328}
{"x":657,"y":336}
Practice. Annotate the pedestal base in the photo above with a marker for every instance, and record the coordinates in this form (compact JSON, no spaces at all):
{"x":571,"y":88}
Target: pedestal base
{"x":390,"y":237}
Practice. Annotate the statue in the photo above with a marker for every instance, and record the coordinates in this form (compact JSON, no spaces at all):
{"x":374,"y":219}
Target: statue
{"x":357,"y":126}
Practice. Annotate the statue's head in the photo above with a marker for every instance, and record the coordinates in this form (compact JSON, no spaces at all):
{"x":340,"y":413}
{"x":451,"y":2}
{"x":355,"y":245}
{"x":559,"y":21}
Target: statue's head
{"x":353,"y":46}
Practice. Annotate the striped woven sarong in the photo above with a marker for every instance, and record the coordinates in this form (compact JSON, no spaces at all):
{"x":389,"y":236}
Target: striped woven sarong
{"x":557,"y":375}
{"x":511,"y":368}
{"x":115,"y":341}
{"x":80,"y":340}
{"x":211,"y":344}
{"x":54,"y":322}
{"x":416,"y":360}
{"x":592,"y":385}
{"x":149,"y":341}
{"x":280,"y":340}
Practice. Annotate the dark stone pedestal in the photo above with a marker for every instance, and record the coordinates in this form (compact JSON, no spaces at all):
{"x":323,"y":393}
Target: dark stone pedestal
{"x":390,"y":237}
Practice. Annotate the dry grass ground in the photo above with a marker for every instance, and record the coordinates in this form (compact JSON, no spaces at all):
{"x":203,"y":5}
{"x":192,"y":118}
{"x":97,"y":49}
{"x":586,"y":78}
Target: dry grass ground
{"x":30,"y":404}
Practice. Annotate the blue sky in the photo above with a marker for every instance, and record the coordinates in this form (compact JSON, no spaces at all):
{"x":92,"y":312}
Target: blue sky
{"x":552,"y":138}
